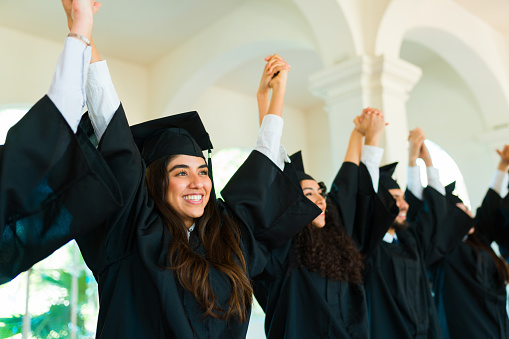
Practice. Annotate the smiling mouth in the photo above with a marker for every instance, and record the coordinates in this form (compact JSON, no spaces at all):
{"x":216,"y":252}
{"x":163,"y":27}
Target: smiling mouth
{"x":194,"y":198}
{"x":402,"y":215}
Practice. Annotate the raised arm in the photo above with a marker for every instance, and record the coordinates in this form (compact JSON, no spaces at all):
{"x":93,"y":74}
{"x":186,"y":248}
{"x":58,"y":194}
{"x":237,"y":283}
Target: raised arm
{"x":501,"y":177}
{"x":263,"y":193}
{"x":65,"y":190}
{"x":102,"y":98}
{"x":372,"y":154}
{"x":270,"y":109}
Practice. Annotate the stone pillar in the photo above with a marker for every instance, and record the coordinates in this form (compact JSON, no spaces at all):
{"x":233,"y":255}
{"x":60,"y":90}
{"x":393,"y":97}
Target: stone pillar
{"x":379,"y":82}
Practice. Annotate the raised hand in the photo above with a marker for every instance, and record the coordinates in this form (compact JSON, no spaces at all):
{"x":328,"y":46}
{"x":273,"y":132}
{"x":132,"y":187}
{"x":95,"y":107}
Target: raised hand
{"x":504,"y":158}
{"x":80,"y":14}
{"x":275,"y":73}
{"x":416,"y":139}
{"x":274,"y":77}
{"x":370,"y":124}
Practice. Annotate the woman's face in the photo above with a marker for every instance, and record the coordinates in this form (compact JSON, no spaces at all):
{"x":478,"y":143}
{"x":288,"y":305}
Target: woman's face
{"x":313,"y":192}
{"x":189,"y":187}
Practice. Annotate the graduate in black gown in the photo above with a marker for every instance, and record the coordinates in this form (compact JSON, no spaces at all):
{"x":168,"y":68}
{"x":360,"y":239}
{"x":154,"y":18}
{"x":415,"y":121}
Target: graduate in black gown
{"x":469,"y":283}
{"x":397,"y":288}
{"x":312,"y":285}
{"x":171,"y":261}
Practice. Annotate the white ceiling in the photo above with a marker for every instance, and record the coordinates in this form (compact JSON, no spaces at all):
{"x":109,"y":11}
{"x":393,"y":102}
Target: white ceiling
{"x":143,"y":31}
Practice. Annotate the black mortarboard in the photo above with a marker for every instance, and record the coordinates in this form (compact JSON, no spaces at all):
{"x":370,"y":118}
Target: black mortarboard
{"x":296,"y":159}
{"x":451,"y":197}
{"x":176,"y":134}
{"x":386,"y":179}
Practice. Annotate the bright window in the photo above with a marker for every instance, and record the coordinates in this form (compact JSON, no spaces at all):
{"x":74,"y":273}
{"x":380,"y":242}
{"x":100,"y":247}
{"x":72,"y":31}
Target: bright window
{"x":449,"y":171}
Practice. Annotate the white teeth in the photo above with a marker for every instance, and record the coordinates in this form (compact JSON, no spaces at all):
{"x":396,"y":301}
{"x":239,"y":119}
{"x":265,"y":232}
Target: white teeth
{"x":193,"y":197}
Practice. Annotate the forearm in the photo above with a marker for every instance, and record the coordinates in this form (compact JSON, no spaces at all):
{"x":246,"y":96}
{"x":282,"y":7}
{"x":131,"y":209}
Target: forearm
{"x":269,"y":140}
{"x":102,"y":98}
{"x":414,"y":182}
{"x":263,"y":104}
{"x":277,"y":100}
{"x":434,"y":179}
{"x":371,"y":158}
{"x":354,"y":150}
{"x":67,"y":90}
{"x":499,"y":182}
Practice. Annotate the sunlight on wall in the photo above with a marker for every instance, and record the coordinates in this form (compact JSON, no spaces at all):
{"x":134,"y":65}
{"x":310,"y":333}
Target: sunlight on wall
{"x":449,"y":171}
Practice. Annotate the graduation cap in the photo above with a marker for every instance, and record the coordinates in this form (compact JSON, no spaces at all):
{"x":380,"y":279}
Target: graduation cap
{"x":297,"y":162}
{"x":386,"y":179}
{"x":175,"y":134}
{"x":451,"y":197}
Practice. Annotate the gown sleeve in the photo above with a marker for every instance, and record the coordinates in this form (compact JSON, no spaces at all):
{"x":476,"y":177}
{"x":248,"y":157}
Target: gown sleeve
{"x":268,"y":201}
{"x":53,"y":188}
{"x":491,"y":220}
{"x":116,"y":237}
{"x":438,"y":225}
{"x":374,"y":215}
{"x":343,"y":193}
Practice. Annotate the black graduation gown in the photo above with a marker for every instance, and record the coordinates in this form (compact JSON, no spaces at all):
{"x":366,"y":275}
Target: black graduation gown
{"x":398,"y":293}
{"x":303,"y":304}
{"x":138,"y":297}
{"x":52,"y":188}
{"x":470,"y":301}
{"x":127,"y":253}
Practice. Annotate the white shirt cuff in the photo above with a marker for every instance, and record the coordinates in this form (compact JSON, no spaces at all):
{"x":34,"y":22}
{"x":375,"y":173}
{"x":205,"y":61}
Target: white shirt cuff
{"x":414,"y":183}
{"x":371,"y":156}
{"x":102,"y":98}
{"x":269,"y":140}
{"x":67,"y":90}
{"x":499,"y":182}
{"x":434,"y":179}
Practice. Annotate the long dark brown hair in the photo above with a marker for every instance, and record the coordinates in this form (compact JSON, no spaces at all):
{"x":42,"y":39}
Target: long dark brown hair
{"x":220,"y":237}
{"x":502,"y":268}
{"x":329,"y":250}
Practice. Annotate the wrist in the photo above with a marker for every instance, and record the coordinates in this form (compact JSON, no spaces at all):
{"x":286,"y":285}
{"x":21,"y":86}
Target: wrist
{"x":262,"y":93}
{"x":412,"y":162}
{"x":372,"y":139}
{"x":278,"y":89}
{"x":503,"y":166}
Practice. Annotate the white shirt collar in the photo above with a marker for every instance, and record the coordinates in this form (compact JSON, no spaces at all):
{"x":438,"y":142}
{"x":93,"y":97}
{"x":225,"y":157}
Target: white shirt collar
{"x":390,"y":238}
{"x":190,"y":229}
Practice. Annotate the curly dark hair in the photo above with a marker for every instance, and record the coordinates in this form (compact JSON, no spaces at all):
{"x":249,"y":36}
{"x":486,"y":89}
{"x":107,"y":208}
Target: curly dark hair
{"x":329,"y":250}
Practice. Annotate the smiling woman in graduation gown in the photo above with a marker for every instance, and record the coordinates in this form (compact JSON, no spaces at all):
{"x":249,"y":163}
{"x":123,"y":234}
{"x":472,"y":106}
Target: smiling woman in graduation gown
{"x":306,"y":298}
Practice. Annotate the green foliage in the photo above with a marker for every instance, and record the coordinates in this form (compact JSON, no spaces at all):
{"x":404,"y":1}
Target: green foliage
{"x":56,"y":321}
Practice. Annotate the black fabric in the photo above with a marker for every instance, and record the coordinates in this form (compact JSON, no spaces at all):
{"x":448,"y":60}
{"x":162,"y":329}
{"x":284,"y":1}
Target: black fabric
{"x":125,"y":245}
{"x":51,"y":189}
{"x":450,"y":196}
{"x":397,"y":289}
{"x":470,"y":300}
{"x":303,"y":304}
{"x":175,"y":134}
{"x":298,"y":164}
{"x":386,"y":180}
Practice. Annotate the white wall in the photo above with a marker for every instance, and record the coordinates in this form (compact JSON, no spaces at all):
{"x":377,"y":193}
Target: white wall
{"x":231,"y":119}
{"x":27,"y":64}
{"x":444,"y":107}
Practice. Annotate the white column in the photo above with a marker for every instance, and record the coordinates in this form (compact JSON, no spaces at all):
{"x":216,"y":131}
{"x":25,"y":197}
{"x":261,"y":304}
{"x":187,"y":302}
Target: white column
{"x":27,"y":316}
{"x":364,"y":81}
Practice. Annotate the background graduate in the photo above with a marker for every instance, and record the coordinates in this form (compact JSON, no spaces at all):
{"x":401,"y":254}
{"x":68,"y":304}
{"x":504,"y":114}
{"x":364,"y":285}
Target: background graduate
{"x":171,"y":262}
{"x":312,"y":285}
{"x":469,"y":283}
{"x":397,"y":288}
